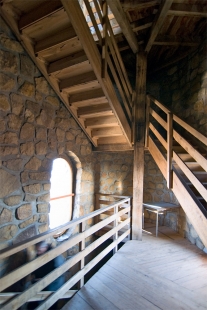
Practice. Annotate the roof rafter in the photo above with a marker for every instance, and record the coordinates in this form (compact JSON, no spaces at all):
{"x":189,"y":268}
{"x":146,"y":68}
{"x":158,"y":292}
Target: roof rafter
{"x":158,"y":22}
{"x":124,"y":24}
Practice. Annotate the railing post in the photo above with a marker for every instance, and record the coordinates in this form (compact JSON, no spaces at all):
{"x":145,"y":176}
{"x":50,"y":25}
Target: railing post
{"x":169,"y":148}
{"x":104,"y":44}
{"x":147,"y":121}
{"x":82,"y":228}
{"x":115,"y":237}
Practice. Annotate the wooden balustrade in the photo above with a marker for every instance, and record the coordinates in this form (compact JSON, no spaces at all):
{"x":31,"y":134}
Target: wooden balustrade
{"x":154,"y":118}
{"x":111,"y":57}
{"x":119,"y":207}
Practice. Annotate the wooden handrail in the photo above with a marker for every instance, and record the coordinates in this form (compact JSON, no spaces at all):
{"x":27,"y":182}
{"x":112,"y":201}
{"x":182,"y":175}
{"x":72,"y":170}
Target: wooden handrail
{"x":172,"y":134}
{"x":120,"y":208}
{"x":110,"y":48}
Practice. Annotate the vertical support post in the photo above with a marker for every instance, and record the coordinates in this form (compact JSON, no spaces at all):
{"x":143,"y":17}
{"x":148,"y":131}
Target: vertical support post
{"x":115,"y":236}
{"x":81,"y":248}
{"x":104,"y":43}
{"x":169,"y":148}
{"x":147,"y":121}
{"x":139,"y":135}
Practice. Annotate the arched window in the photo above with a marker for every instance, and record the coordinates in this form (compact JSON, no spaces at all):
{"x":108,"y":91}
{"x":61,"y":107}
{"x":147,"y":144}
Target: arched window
{"x":60,"y":193}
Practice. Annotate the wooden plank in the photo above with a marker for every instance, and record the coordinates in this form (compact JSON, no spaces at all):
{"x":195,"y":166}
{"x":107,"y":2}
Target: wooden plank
{"x":182,"y":9}
{"x":169,"y":148}
{"x":113,"y":148}
{"x":77,"y":304}
{"x":191,"y":150}
{"x":158,"y":135}
{"x":101,"y":122}
{"x":112,"y":140}
{"x":106,"y":132}
{"x":158,"y":118}
{"x":141,"y":24}
{"x":192,"y":178}
{"x":95,"y":111}
{"x":77,"y":19}
{"x":159,"y":104}
{"x":33,"y":240}
{"x":87,"y":97}
{"x":170,"y":40}
{"x":139,"y":135}
{"x":191,"y":130}
{"x":135,"y":5}
{"x":61,"y":37}
{"x":158,"y":157}
{"x":39,"y":296}
{"x":158,"y":22}
{"x":120,"y":16}
{"x":93,"y":20}
{"x":78,"y":275}
{"x":84,"y":78}
{"x":66,"y":62}
{"x":41,"y":11}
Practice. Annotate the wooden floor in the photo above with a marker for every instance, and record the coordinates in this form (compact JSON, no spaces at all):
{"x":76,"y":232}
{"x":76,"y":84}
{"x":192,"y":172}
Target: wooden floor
{"x":166,"y":272}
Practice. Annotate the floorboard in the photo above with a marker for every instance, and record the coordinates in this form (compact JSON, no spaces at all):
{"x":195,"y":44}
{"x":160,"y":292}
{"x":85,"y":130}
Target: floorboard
{"x":164,"y":272}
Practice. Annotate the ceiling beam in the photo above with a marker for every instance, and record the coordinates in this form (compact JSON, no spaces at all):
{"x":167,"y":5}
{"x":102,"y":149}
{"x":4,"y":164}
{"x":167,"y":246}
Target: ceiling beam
{"x":176,"y":41}
{"x":158,"y":22}
{"x":181,"y":9}
{"x":40,"y":12}
{"x":141,"y":24}
{"x":129,"y":5}
{"x":124,"y":24}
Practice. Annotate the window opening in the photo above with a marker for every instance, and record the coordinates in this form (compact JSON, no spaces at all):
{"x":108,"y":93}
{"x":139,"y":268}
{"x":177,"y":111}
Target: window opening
{"x":60,"y":193}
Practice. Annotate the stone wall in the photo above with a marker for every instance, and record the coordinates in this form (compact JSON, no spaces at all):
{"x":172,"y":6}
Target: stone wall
{"x":35,"y":128}
{"x":183,"y":88}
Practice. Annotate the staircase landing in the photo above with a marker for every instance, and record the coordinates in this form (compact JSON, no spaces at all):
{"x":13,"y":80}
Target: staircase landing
{"x":167,"y":272}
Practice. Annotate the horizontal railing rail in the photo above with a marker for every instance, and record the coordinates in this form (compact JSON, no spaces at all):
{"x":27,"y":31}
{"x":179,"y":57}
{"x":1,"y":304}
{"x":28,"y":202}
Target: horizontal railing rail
{"x":111,"y":57}
{"x":119,"y":208}
{"x":161,"y":122}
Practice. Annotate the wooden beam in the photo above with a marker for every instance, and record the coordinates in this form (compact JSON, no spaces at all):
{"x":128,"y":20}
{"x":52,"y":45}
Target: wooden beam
{"x":43,"y":10}
{"x":168,"y":40}
{"x":79,"y":23}
{"x":158,"y":22}
{"x":124,"y":24}
{"x":101,"y":122}
{"x":141,"y":24}
{"x":113,"y":148}
{"x":182,"y":9}
{"x":58,"y":38}
{"x":139,"y":135}
{"x":112,"y":140}
{"x":95,"y":111}
{"x":106,"y":132}
{"x":129,"y":5}
{"x":77,"y":80}
{"x":67,"y":62}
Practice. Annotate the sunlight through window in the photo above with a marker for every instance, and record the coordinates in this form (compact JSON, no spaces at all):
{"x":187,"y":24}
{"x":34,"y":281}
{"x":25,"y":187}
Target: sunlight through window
{"x":60,"y":193}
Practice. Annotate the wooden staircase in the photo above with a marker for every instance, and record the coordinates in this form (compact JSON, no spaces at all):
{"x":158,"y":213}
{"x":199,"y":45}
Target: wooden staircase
{"x":87,"y":74}
{"x":182,"y":162}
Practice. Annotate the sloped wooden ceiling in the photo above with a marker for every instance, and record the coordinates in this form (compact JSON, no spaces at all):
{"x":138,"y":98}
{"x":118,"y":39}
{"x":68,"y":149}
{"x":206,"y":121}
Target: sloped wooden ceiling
{"x":166,"y":30}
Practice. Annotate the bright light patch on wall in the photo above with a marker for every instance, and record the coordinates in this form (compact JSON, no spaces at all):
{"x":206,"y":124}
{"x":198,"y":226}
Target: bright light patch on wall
{"x":60,"y":193}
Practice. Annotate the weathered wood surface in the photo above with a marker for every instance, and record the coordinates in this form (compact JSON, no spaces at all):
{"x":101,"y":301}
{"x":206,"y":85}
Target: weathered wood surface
{"x":156,"y":273}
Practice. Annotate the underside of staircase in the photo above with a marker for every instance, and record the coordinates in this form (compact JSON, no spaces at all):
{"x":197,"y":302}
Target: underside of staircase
{"x":59,"y":41}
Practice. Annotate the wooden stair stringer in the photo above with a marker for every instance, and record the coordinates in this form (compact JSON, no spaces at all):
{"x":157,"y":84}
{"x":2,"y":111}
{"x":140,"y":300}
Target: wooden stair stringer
{"x":186,"y":200}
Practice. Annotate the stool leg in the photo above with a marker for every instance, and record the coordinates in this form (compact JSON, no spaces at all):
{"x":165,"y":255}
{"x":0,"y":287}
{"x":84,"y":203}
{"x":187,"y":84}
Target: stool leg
{"x":157,"y":225}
